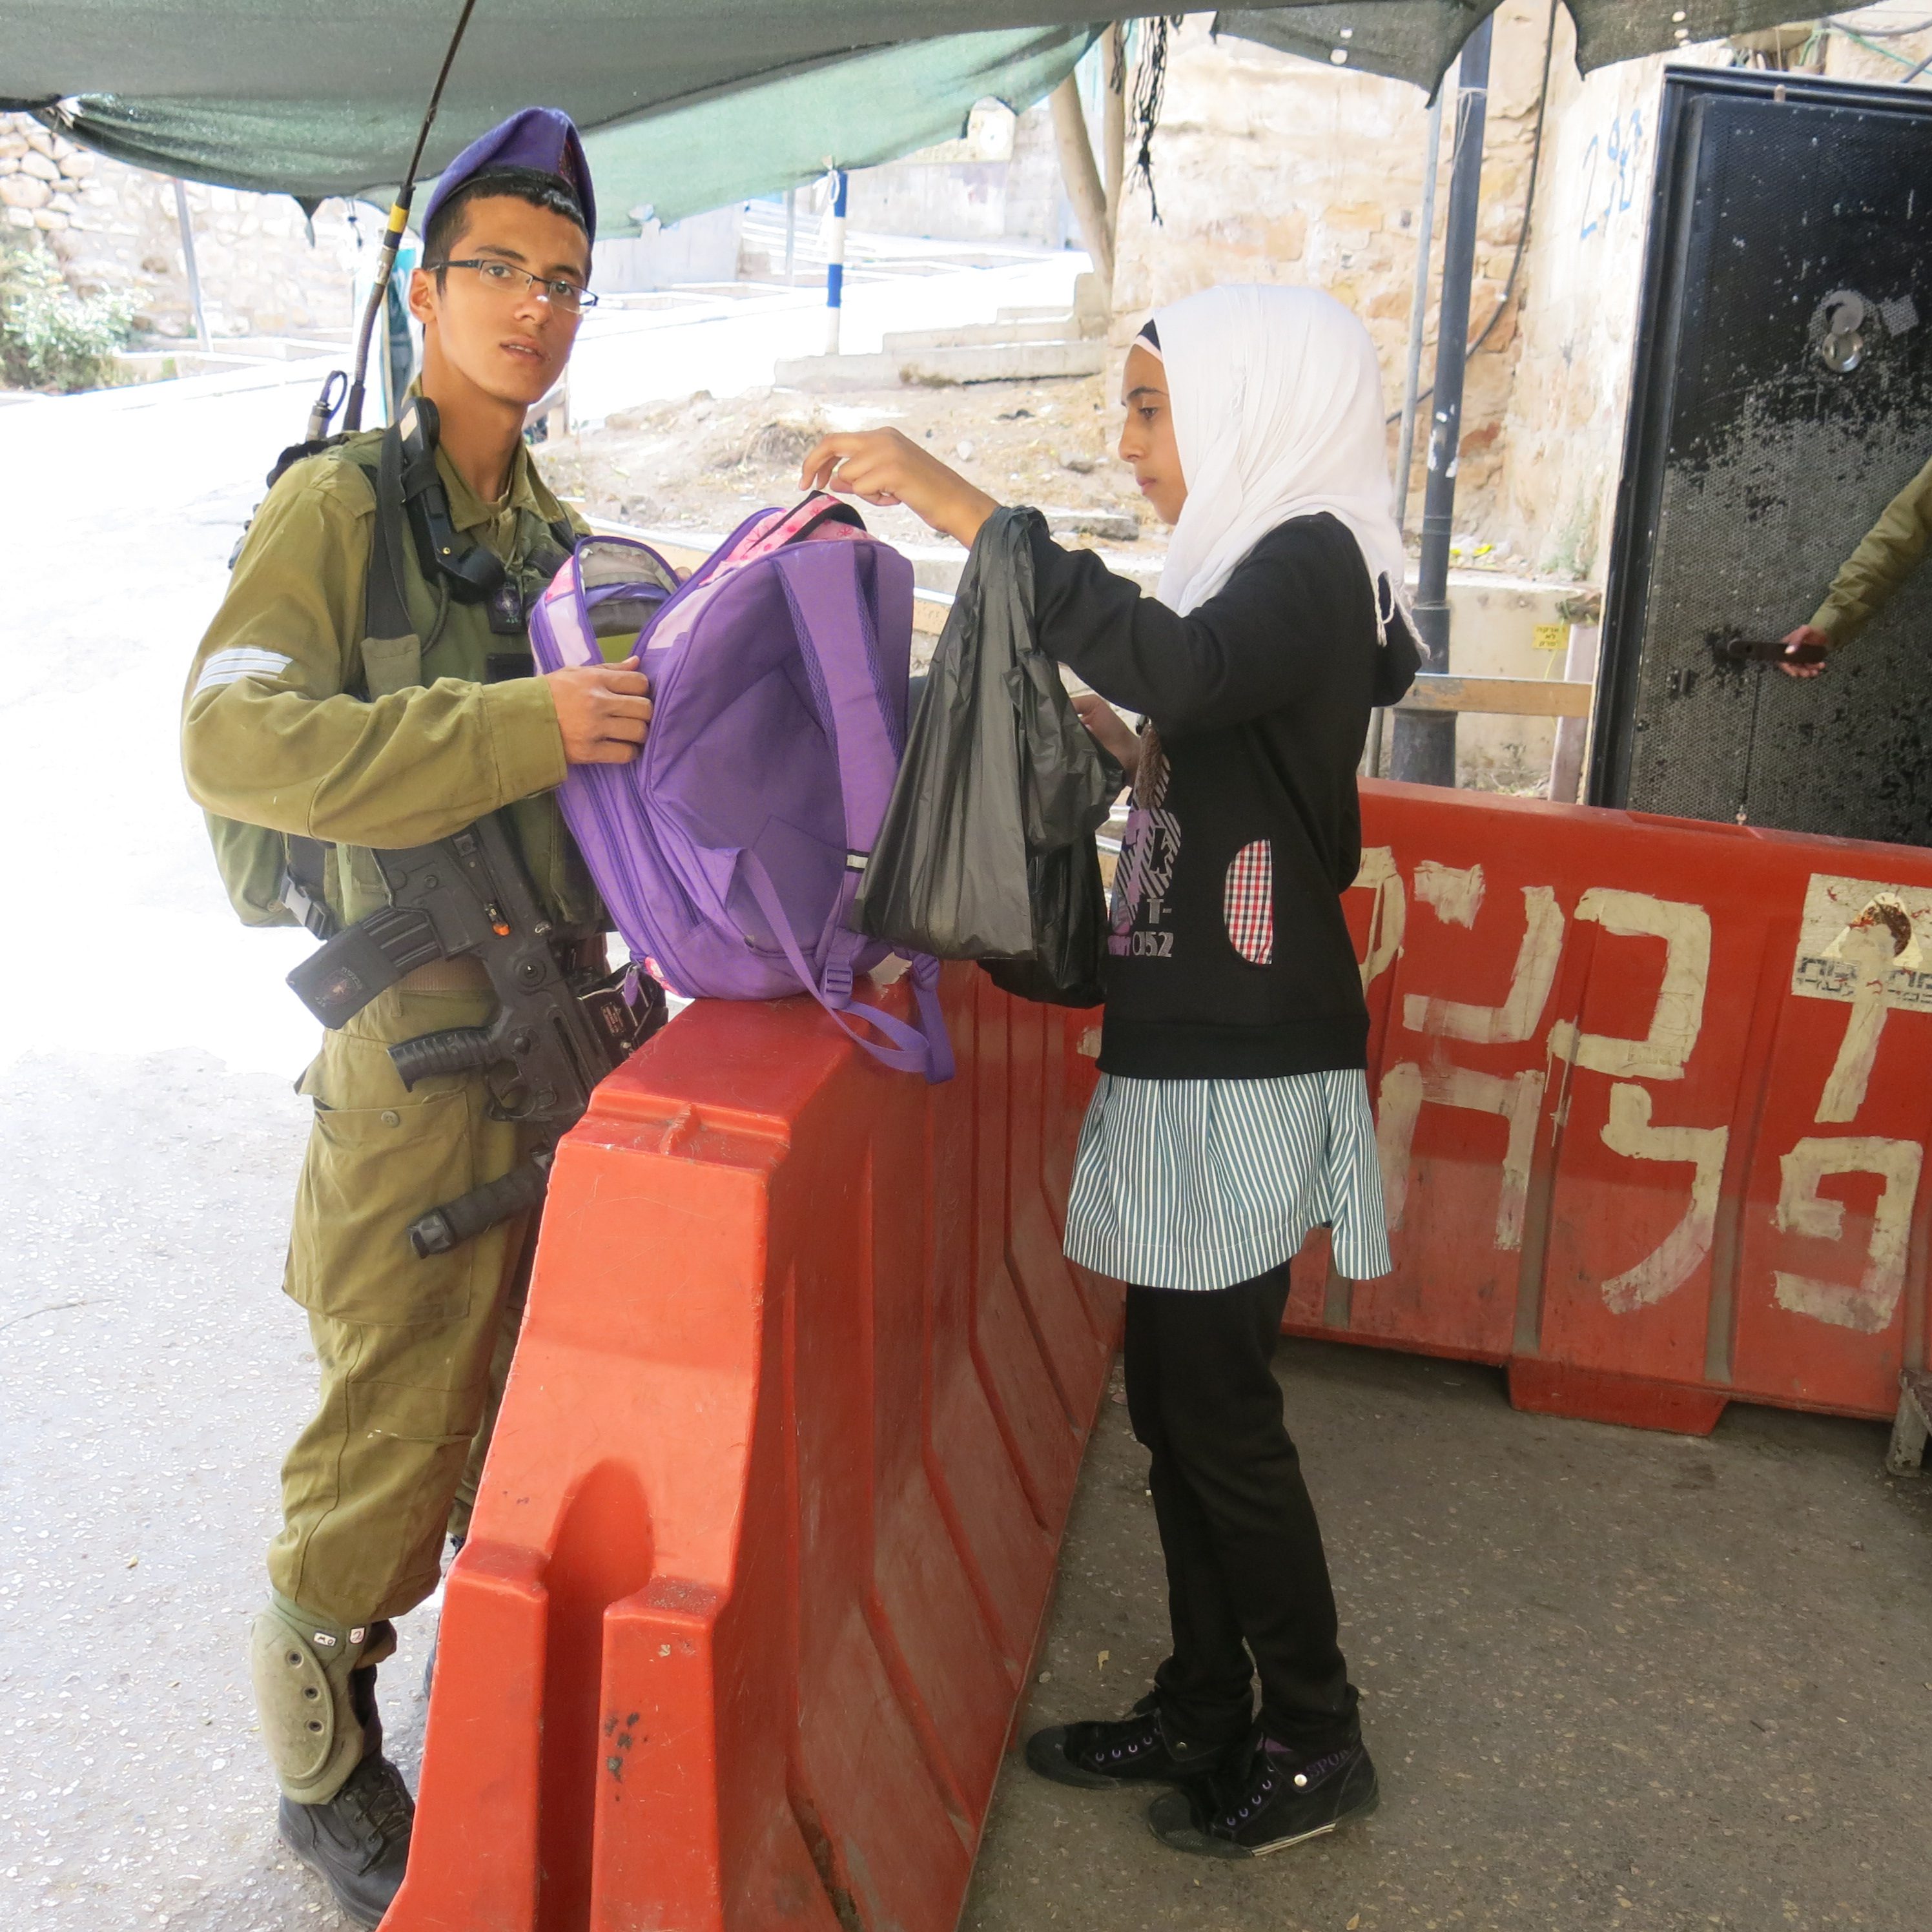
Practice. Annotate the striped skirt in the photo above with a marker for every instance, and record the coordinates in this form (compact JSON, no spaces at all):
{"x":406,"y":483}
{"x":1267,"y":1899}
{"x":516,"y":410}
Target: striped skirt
{"x":1203,"y":1184}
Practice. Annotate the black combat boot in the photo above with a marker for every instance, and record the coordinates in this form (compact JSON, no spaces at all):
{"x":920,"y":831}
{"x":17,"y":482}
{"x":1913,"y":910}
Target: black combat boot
{"x":1138,"y":1749}
{"x":358,"y":1842}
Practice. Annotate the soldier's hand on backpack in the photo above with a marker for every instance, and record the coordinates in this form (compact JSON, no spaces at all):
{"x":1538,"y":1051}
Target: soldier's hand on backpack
{"x":603,"y":711}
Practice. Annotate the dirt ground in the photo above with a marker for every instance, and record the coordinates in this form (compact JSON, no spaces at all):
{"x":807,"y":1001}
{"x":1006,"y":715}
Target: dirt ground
{"x":706,"y":463}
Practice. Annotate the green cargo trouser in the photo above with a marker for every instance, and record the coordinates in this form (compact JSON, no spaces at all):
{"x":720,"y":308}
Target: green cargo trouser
{"x":412,"y":1354}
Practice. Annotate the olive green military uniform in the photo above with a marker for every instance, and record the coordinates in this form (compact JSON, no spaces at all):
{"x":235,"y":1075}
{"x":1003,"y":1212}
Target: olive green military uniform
{"x":295,"y":721}
{"x":1892,"y":550}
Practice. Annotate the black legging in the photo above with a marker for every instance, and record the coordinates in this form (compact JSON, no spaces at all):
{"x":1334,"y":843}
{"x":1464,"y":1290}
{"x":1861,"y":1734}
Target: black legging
{"x":1243,"y":1550}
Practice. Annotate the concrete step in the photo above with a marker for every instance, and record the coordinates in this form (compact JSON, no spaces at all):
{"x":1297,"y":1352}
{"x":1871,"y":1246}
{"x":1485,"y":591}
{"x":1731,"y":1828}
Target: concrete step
{"x":939,"y":368}
{"x":1026,"y":314}
{"x":979,"y":334}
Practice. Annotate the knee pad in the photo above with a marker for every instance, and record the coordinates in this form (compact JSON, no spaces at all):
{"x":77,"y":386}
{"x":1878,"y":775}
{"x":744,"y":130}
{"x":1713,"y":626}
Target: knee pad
{"x":315,"y":1691}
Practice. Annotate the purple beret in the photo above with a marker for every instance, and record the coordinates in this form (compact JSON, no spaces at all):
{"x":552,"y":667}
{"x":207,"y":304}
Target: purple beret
{"x":544,"y":139}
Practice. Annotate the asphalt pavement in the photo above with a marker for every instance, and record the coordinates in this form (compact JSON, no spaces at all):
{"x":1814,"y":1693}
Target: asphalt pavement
{"x":1611,"y":1678}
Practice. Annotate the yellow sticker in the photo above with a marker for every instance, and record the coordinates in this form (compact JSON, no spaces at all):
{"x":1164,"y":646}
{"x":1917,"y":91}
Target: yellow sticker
{"x":1553,"y":637}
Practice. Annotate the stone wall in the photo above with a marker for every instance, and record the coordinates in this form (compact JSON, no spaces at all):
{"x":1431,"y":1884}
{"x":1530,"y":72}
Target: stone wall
{"x":999,"y":182}
{"x":262,"y":272}
{"x":1271,"y":169}
{"x":1268,"y":168}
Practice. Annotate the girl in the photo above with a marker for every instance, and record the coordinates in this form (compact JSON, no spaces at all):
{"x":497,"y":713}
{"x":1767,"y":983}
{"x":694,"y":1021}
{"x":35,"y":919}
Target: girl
{"x":1232,"y":1114}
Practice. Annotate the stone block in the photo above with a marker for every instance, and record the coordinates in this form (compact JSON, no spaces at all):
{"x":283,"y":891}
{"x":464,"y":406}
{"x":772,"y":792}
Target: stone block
{"x":40,"y":140}
{"x":24,"y":191}
{"x":1287,"y":237}
{"x":18,"y":218}
{"x":1364,"y":215}
{"x":51,"y":219}
{"x":76,"y":164}
{"x":42,"y":167}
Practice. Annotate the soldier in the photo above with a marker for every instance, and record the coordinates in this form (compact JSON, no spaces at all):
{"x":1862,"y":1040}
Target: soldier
{"x":1891,"y":550}
{"x":299,"y":727}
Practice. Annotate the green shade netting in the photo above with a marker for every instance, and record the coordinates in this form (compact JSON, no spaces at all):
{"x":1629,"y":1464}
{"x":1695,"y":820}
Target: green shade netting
{"x":317,"y":97}
{"x":1416,"y":40}
{"x":690,"y":104}
{"x":872,"y":108}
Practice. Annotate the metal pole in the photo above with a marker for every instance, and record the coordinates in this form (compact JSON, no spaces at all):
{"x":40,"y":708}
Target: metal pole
{"x":1412,"y":384}
{"x":835,"y":264}
{"x":791,"y":232}
{"x":1425,"y":744}
{"x":1418,"y":309}
{"x":194,"y":273}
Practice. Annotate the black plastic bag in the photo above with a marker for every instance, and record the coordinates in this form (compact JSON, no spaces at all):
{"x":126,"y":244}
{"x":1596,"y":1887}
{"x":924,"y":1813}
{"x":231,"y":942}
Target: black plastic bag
{"x":987,"y":850}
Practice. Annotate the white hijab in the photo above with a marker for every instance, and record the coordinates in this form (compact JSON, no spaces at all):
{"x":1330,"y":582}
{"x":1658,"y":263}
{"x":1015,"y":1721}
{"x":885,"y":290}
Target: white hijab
{"x":1277,"y":402}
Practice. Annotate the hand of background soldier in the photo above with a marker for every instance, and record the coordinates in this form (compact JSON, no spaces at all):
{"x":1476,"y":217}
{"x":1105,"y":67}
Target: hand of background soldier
{"x":603,"y":711}
{"x":1807,"y":637}
{"x":885,"y":467}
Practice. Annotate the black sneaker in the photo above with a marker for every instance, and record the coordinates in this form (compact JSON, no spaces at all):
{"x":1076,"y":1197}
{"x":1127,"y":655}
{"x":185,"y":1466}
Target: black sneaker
{"x":358,"y":1842}
{"x":1098,"y":1755}
{"x":1282,"y":1797}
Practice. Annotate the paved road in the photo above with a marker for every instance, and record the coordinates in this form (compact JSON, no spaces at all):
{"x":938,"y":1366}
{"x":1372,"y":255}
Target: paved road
{"x":1612,"y":1679}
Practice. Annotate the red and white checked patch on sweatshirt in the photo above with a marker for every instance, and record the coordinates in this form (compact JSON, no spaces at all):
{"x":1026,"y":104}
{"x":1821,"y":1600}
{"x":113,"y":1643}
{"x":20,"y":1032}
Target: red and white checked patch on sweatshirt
{"x":1247,"y":902}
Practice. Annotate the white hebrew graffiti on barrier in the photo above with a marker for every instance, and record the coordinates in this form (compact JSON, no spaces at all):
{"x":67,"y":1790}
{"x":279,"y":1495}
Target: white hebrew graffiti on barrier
{"x":1389,"y":915}
{"x":1863,"y":942}
{"x":1516,"y":1097}
{"x":1456,"y":895}
{"x":1630,"y":1132}
{"x":1678,"y":1017}
{"x":1530,"y":978}
{"x":1869,"y":1307}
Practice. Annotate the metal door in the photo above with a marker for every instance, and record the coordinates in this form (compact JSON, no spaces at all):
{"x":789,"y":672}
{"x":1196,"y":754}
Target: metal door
{"x":1782,"y":395}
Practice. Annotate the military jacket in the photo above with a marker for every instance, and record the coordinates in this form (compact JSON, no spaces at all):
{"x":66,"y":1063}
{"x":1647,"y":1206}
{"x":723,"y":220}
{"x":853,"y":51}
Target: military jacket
{"x":1892,"y":550}
{"x":294,"y":720}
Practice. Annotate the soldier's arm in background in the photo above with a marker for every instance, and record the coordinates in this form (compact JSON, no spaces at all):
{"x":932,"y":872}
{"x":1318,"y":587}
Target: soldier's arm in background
{"x":1892,"y":550}
{"x":274,"y":734}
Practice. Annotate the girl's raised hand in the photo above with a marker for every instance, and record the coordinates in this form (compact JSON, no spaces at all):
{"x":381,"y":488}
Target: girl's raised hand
{"x":884,"y":467}
{"x":1112,"y":732}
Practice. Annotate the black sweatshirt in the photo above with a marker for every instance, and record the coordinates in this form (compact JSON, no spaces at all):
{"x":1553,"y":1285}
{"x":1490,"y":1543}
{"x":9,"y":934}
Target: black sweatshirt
{"x":1229,"y":957}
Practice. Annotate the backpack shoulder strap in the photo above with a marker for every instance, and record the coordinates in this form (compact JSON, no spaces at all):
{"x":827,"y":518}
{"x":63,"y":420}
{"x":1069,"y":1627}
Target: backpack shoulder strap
{"x":385,"y":610}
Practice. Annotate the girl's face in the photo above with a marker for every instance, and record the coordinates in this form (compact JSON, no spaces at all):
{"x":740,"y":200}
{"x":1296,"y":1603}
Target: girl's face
{"x":1147,"y":438}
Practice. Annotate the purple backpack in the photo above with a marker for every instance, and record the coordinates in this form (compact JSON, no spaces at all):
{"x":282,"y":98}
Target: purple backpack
{"x":730,"y":851}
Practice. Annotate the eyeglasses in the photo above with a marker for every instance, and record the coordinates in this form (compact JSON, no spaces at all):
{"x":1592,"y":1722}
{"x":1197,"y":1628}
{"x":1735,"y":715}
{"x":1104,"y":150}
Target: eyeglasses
{"x":507,"y":279}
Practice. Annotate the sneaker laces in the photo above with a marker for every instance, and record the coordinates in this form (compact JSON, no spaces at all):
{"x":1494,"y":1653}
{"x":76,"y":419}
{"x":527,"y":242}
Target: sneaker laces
{"x":1254,"y":1794}
{"x":1128,"y":1748}
{"x":1268,"y":1769}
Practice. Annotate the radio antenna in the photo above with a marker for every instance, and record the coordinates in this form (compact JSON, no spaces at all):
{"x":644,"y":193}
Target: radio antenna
{"x":385,"y":260}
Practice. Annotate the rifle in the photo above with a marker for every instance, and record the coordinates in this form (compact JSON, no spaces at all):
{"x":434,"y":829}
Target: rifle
{"x":557,"y":1031}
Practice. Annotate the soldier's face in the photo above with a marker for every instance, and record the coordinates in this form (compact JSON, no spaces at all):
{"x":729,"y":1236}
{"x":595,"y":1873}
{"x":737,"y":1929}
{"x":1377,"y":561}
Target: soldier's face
{"x":508,"y":335}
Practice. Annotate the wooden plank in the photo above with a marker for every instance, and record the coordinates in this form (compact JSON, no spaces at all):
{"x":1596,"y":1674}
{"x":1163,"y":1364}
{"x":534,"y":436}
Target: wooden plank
{"x":1515,"y":696}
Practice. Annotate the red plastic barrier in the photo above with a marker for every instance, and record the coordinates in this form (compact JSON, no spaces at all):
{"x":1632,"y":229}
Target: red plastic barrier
{"x":1652,"y":1097}
{"x":769,"y":1525}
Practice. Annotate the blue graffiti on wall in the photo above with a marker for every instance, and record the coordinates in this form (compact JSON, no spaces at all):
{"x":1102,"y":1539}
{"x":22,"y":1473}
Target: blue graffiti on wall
{"x":1609,"y":172}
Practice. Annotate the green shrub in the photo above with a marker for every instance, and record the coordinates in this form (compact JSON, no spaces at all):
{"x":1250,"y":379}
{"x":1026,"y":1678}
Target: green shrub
{"x":51,"y":338}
